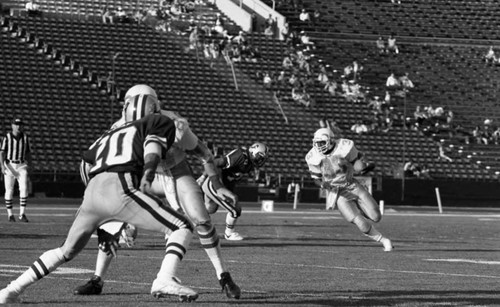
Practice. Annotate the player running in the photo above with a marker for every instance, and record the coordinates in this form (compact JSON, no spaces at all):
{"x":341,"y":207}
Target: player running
{"x":175,"y":182}
{"x":232,"y":166}
{"x":332,"y":163}
{"x":124,"y":164}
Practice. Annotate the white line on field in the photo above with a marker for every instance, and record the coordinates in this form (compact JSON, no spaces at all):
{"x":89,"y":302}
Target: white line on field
{"x":465,"y":261}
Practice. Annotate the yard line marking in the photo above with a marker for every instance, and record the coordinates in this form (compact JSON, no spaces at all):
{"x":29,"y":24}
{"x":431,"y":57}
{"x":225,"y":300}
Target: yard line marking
{"x":360,"y":269}
{"x":465,"y":261}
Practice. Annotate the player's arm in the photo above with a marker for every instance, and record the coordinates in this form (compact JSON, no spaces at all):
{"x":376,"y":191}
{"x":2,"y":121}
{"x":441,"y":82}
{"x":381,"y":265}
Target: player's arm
{"x":152,"y":156}
{"x":211,"y":171}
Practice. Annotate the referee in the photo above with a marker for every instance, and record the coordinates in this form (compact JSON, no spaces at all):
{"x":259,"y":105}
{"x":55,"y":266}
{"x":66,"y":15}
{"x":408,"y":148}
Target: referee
{"x":15,"y":157}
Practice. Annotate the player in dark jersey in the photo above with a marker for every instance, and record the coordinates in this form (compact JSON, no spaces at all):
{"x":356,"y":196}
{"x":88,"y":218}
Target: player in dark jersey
{"x":124,"y":165}
{"x":233,"y":167}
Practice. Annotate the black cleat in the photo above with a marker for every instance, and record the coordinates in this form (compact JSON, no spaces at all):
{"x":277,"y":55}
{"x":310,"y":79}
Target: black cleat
{"x":368,"y":168}
{"x":232,"y":290}
{"x":23,"y":218}
{"x":12,"y":218}
{"x":92,"y":287}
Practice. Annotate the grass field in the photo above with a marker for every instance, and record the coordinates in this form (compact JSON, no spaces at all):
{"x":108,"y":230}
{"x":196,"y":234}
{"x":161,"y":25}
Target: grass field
{"x":303,"y":257}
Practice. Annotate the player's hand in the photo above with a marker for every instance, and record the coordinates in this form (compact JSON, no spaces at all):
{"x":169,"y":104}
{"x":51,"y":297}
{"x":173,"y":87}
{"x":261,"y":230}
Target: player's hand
{"x":326,"y":185}
{"x":227,"y":195}
{"x":200,"y":180}
{"x":107,"y":242}
{"x":145,"y":186}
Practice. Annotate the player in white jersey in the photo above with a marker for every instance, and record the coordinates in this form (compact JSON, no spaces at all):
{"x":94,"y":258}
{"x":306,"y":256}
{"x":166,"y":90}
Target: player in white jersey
{"x":175,"y":182}
{"x":332,"y":163}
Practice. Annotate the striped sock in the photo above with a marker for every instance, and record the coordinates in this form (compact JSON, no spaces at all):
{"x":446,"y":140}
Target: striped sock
{"x":210,"y":242}
{"x":8,"y":205}
{"x":48,"y":262}
{"x":176,"y":249}
{"x":23,"y":201}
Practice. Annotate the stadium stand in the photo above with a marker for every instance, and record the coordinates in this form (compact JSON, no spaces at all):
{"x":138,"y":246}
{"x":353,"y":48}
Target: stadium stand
{"x":53,"y":65}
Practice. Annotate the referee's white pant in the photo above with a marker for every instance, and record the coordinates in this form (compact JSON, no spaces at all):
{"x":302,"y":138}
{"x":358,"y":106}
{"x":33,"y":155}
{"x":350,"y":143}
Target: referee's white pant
{"x":15,"y":172}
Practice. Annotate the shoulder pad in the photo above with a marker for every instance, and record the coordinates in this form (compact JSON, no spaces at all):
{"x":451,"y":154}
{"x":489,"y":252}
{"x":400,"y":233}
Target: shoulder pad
{"x":313,"y":157}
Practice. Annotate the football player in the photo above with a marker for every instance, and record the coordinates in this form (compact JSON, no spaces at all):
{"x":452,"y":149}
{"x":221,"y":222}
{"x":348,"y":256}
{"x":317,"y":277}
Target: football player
{"x":124,"y":162}
{"x":232,"y":167}
{"x":175,"y":182}
{"x":332,"y":163}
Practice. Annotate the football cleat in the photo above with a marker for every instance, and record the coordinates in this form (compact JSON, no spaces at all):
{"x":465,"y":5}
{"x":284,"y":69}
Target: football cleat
{"x":368,"y":168}
{"x":92,"y":287}
{"x":12,"y":218}
{"x":173,"y":287}
{"x":23,"y":218}
{"x":232,"y":290}
{"x":387,"y":244}
{"x":8,"y":297}
{"x":233,"y":236}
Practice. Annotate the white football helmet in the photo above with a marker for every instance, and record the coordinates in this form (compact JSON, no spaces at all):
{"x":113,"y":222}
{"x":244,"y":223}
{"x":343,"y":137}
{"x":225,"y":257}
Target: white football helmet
{"x":323,"y":140}
{"x":140,"y":100}
{"x":259,"y":153}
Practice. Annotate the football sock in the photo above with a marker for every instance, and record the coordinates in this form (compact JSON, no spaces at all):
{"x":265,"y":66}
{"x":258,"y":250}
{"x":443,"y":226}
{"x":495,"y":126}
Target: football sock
{"x":230,"y":223}
{"x":374,"y":234}
{"x":48,"y":262}
{"x":102,"y":264}
{"x":177,"y":243}
{"x":8,"y":205}
{"x":210,"y":242}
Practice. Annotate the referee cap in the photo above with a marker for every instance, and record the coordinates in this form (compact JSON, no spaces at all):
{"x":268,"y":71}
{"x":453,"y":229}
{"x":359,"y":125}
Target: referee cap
{"x":17,"y":121}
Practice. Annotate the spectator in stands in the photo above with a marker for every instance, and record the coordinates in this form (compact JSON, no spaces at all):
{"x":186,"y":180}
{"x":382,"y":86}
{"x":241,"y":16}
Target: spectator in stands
{"x":442,"y":154}
{"x":269,"y":22}
{"x":356,"y":70}
{"x":419,"y":116}
{"x":392,"y":45}
{"x":305,"y":40}
{"x":33,"y":9}
{"x":495,"y":136}
{"x":392,"y":82}
{"x":285,"y":31}
{"x":304,"y":17}
{"x":381,"y":45}
{"x":490,"y":56}
{"x":396,"y":1}
{"x":375,"y":105}
{"x":322,"y":77}
{"x":121,"y":15}
{"x":240,"y":38}
{"x":331,"y":87}
{"x":316,"y":18}
{"x":405,"y":81}
{"x":269,"y":31}
{"x":411,"y":169}
{"x":359,"y":128}
{"x":219,"y":24}
{"x":267,"y":80}
{"x":106,"y":14}
{"x":214,"y":49}
{"x":176,"y":10}
{"x":139,"y":16}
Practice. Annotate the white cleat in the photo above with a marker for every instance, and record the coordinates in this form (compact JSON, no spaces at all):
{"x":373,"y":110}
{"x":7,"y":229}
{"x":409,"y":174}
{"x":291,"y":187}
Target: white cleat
{"x":173,"y":287}
{"x":8,"y":297}
{"x":234,"y":236}
{"x":387,"y":244}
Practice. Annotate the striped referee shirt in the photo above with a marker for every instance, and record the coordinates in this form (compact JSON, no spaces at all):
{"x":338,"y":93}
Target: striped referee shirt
{"x":16,"y":147}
